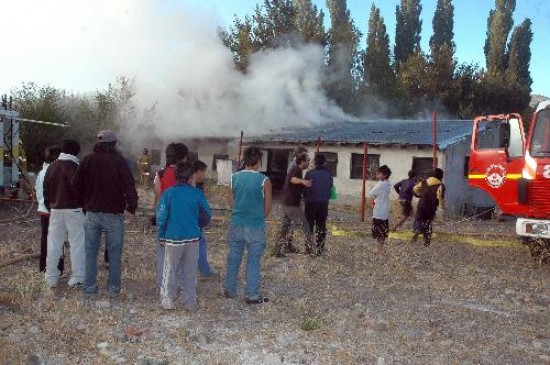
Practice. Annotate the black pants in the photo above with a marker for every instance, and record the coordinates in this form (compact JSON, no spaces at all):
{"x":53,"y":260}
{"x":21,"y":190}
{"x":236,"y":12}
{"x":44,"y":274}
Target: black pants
{"x":423,"y":224}
{"x":45,"y":223}
{"x":316,"y":216}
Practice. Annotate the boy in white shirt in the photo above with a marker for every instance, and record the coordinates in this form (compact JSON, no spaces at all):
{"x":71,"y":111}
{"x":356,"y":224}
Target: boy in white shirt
{"x":380,"y":196}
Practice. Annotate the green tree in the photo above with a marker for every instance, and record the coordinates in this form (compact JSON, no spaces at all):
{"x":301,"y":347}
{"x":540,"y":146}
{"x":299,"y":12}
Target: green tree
{"x":44,"y":103}
{"x":464,"y":92}
{"x":275,"y":25}
{"x":499,"y":24}
{"x":443,"y":26}
{"x":85,"y":115}
{"x":519,"y":56}
{"x":343,"y":54}
{"x":517,"y":76}
{"x":414,"y":79}
{"x":442,"y":49}
{"x":407,"y":30}
{"x":309,"y":22}
{"x":239,"y":40}
{"x":378,"y":76}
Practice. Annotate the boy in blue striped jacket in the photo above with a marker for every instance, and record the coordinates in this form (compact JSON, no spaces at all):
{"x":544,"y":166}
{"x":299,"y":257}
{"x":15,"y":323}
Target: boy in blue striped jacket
{"x":181,"y":213}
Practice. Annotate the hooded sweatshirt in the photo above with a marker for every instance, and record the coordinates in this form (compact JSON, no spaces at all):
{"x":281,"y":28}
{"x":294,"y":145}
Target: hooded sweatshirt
{"x":58,"y":189}
{"x":431,"y":194}
{"x":105,"y":182}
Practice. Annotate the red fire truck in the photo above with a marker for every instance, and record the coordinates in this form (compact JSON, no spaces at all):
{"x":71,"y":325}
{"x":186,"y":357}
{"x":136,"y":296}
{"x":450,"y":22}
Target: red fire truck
{"x":514,"y":169}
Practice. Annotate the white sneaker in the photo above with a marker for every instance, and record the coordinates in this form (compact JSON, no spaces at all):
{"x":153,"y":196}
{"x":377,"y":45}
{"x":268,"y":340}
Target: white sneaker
{"x":168,"y":304}
{"x":75,"y":283}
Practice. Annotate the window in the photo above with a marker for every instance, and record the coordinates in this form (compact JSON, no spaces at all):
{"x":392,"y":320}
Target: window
{"x":373,"y":163}
{"x":502,"y":134}
{"x":331,"y":162}
{"x":540,"y":144}
{"x":423,"y":166}
{"x":218,"y":156}
{"x":515,"y":146}
{"x":466,"y":166}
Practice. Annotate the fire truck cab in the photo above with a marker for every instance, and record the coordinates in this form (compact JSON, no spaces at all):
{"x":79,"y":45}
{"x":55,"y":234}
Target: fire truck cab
{"x":514,"y":168}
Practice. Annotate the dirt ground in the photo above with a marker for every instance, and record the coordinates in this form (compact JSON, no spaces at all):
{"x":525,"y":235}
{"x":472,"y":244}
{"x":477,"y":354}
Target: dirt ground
{"x":473,"y":297}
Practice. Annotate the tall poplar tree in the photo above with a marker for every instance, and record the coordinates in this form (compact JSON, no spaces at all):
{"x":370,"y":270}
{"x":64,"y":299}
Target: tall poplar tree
{"x":442,"y":49}
{"x":443,"y":26}
{"x":407,"y":30}
{"x":517,"y":75}
{"x":519,"y":55}
{"x":342,"y":53}
{"x":309,"y":22}
{"x":378,"y":75}
{"x":499,"y":24}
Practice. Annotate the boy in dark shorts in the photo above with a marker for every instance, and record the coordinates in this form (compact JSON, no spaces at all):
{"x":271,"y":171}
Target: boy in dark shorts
{"x":380,"y":196}
{"x":405,"y":190}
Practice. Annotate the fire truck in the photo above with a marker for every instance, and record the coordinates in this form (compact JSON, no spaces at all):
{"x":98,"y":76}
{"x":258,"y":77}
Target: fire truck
{"x":513,"y":167}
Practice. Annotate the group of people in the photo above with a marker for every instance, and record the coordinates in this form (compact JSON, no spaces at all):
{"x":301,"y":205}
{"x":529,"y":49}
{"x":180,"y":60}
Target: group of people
{"x":83,"y":199}
{"x":430,"y":193}
{"x":314,"y":186}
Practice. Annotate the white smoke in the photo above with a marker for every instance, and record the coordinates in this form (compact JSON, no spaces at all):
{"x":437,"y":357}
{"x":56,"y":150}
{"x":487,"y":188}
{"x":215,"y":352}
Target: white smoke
{"x":178,"y":62}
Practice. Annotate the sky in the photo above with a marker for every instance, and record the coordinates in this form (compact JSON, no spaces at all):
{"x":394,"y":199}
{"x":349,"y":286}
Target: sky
{"x":38,"y":35}
{"x":172,"y":50}
{"x":470,"y":26}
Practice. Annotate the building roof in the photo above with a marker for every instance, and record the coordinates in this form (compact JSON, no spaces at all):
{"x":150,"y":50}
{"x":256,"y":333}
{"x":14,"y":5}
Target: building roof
{"x":380,"y":132}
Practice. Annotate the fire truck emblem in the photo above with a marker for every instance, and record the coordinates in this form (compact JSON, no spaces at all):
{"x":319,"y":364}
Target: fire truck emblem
{"x":495,"y":175}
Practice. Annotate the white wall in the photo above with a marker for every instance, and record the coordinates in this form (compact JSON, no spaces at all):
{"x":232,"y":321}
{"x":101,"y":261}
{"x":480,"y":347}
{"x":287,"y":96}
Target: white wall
{"x":398,"y":159}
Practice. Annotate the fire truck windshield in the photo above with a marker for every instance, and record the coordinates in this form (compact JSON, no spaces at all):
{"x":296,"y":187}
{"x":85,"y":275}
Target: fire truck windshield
{"x":540,"y":142}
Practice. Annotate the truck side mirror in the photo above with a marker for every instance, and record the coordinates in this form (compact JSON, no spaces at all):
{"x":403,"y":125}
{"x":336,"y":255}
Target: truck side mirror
{"x":504,"y":134}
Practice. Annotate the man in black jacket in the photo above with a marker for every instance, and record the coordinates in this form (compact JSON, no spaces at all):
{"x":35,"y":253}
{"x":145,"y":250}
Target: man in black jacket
{"x":66,"y":216}
{"x":107,"y":188}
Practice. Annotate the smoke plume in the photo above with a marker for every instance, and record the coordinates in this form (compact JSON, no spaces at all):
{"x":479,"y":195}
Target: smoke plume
{"x":179,"y":64}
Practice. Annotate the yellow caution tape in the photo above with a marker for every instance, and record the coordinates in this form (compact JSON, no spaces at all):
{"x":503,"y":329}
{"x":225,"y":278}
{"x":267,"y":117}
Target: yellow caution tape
{"x":406,"y":236}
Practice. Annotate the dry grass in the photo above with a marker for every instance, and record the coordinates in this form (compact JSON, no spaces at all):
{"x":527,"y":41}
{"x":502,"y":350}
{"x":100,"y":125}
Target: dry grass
{"x":452,"y":303}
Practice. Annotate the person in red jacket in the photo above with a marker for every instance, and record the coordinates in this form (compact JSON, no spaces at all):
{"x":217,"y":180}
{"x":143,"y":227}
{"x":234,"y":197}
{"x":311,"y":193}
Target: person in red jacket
{"x":64,"y":203}
{"x":107,"y":188}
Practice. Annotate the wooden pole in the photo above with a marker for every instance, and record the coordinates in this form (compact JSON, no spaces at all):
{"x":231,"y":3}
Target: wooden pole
{"x":363,"y":197}
{"x":434,"y":140}
{"x":318,"y":143}
{"x":240,"y":151}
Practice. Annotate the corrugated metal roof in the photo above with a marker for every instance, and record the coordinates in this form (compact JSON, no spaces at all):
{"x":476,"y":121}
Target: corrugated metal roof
{"x":382,"y":132}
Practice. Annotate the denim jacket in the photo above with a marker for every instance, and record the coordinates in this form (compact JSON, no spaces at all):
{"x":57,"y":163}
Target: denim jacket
{"x":181,"y":213}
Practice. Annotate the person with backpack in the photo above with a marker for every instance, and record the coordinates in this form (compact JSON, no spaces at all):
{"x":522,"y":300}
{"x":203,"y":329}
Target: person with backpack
{"x":164,"y":179}
{"x":431,"y":195}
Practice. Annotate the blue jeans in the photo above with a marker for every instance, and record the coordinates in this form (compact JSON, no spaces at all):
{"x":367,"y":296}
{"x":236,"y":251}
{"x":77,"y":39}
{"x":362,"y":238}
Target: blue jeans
{"x":253,"y":239}
{"x":113,"y":226}
{"x":204,"y":266}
